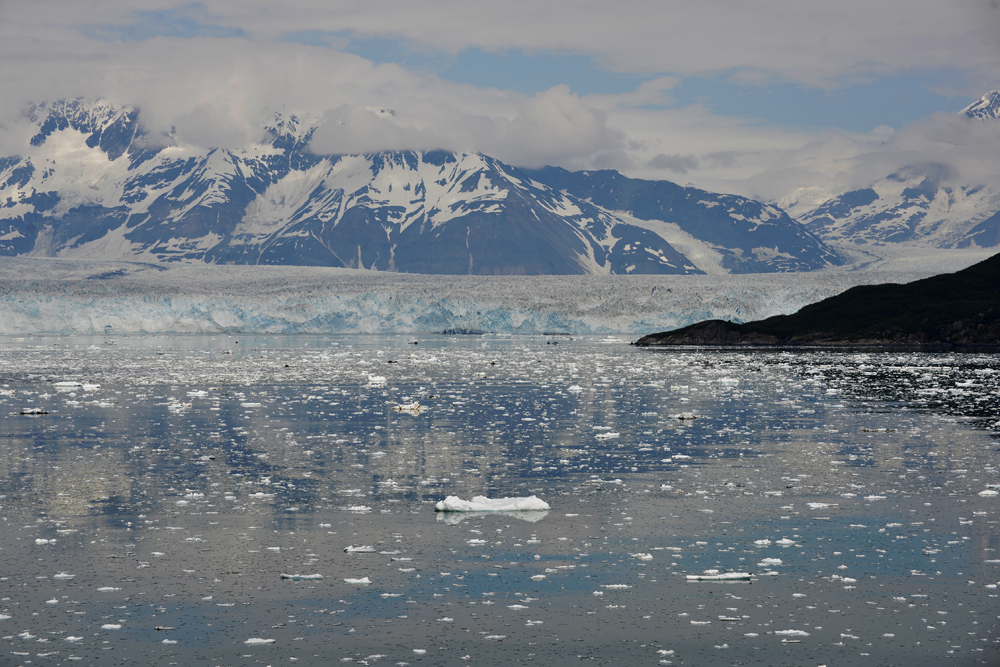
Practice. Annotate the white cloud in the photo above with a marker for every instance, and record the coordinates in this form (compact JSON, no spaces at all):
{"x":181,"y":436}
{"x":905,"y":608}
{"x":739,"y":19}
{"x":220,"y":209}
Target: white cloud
{"x":211,"y":89}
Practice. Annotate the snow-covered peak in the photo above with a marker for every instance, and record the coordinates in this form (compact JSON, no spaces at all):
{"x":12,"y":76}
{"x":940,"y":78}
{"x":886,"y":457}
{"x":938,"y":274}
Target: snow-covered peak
{"x":286,"y":125}
{"x":987,"y":108}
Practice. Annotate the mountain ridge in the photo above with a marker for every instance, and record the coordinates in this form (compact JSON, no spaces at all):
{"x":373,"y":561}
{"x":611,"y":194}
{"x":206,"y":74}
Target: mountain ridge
{"x":91,"y":183}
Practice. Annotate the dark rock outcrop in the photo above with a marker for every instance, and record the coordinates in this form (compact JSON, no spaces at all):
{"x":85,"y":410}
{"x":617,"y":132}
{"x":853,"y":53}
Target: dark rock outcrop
{"x":959,"y":309}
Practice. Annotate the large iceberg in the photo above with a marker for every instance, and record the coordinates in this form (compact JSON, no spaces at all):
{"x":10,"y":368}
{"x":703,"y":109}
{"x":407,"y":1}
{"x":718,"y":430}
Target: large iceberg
{"x":484,"y":504}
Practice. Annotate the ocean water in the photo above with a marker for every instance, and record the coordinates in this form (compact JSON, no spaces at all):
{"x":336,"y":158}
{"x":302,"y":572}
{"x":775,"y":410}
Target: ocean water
{"x":155,"y":489}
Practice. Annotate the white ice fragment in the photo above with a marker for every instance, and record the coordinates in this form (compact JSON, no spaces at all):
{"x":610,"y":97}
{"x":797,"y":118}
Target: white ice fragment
{"x":792,"y":633}
{"x":111,"y":626}
{"x":484,"y":504}
{"x":989,"y":492}
{"x":360,"y":550}
{"x":769,"y":561}
{"x":724,"y":576}
{"x":642,"y":556}
{"x":785,"y":542}
{"x":253,"y":641}
{"x":420,"y":651}
{"x":364,"y":581}
{"x":413,"y":408}
{"x":303,"y":577}
{"x":684,"y":416}
{"x":42,"y":540}
{"x":762,"y":543}
{"x":63,"y":575}
{"x":819,"y":506}
{"x":576,"y":389}
{"x":107,"y":589}
{"x":73,"y":639}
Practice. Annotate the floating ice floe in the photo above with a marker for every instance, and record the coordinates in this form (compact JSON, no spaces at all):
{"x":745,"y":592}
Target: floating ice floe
{"x":302,"y":577}
{"x":413,"y":408}
{"x":684,"y":416}
{"x":792,"y":633}
{"x":484,"y":504}
{"x":711,"y":575}
{"x":34,"y":411}
{"x":360,"y":550}
{"x":769,"y":561}
{"x":257,"y":640}
{"x":364,"y":581}
{"x":989,"y":492}
{"x":63,"y":575}
{"x":642,"y":556}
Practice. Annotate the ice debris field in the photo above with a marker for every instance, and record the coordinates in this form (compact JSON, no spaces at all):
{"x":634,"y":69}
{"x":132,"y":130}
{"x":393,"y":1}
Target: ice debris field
{"x":182,"y":500}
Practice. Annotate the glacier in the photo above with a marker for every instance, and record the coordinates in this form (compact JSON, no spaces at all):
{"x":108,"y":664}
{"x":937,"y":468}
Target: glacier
{"x":39,"y":296}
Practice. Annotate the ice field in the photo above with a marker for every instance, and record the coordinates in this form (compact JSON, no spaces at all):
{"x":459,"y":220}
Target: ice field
{"x":72,"y":297}
{"x":177,"y":500}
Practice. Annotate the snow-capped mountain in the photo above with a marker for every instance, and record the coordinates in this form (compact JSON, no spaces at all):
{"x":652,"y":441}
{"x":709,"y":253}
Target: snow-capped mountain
{"x":746,"y":235}
{"x":921,"y":204}
{"x":987,"y":108}
{"x":91,"y":184}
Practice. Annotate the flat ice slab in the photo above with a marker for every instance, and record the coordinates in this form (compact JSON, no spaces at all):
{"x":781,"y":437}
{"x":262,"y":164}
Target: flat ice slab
{"x":725,"y":576}
{"x":484,"y":504}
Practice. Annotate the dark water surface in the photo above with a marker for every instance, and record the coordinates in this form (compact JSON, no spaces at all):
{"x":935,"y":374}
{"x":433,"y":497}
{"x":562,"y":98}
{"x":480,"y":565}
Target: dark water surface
{"x":148,"y":515}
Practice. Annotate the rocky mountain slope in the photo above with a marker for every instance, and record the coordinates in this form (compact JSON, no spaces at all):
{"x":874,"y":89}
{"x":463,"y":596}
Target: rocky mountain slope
{"x":91,"y":184}
{"x":925,"y":203}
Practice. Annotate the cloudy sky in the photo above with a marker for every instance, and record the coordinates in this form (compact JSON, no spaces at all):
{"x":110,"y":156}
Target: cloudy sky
{"x":768,"y":98}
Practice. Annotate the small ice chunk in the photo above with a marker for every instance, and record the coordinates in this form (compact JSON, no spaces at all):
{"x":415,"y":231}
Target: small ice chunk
{"x":111,"y":626}
{"x":360,"y":550}
{"x":107,"y":589}
{"x":63,"y":575}
{"x":413,"y":408}
{"x":253,"y":641}
{"x":364,"y":581}
{"x":792,"y":633}
{"x":769,"y":561}
{"x":642,"y":556}
{"x":989,"y":492}
{"x":303,"y":577}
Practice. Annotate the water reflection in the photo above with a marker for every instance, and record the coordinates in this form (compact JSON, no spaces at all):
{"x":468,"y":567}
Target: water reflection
{"x":177,"y":478}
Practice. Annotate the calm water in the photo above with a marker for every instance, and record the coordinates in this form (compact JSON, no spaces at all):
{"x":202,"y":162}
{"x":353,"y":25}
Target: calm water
{"x":148,"y":515}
